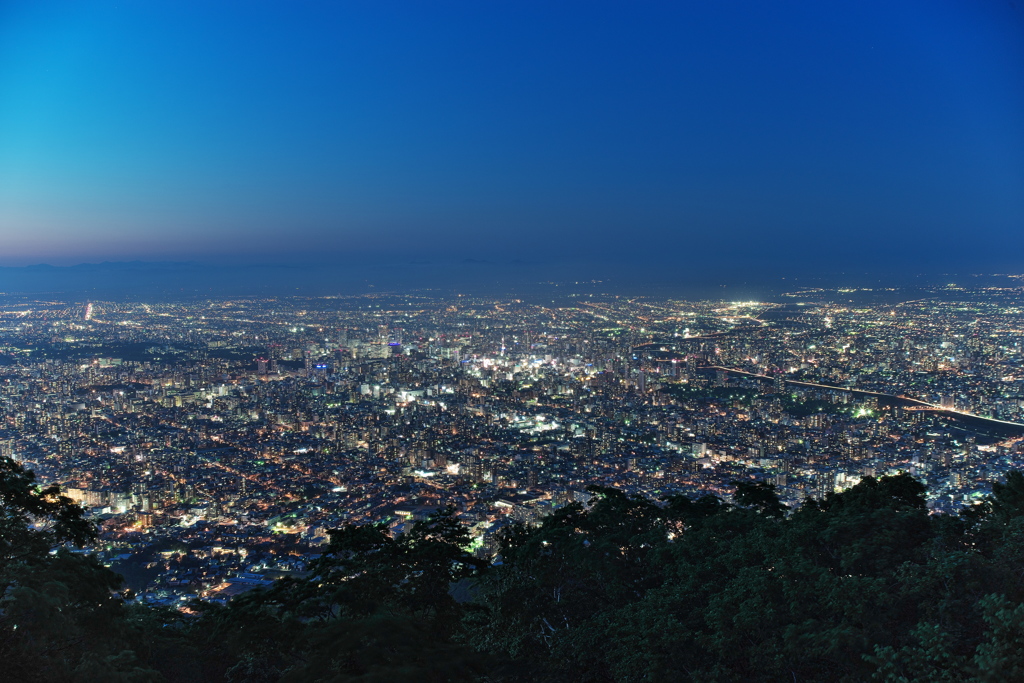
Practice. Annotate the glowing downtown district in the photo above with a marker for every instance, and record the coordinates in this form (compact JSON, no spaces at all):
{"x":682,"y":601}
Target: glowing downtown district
{"x":219,"y":440}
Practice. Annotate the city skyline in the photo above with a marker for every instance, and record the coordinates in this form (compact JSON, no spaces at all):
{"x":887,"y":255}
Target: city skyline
{"x":252,"y":423}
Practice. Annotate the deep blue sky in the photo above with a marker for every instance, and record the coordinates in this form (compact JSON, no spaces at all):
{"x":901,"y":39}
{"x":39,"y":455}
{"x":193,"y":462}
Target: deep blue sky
{"x":861,"y":132}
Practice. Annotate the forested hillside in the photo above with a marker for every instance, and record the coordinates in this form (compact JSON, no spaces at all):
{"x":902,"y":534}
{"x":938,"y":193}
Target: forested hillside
{"x":862,"y":585}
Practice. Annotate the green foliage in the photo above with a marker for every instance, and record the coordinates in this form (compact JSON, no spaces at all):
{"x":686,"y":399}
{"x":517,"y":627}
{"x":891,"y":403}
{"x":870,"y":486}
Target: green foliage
{"x":862,"y":585}
{"x":61,"y":617}
{"x":690,"y":392}
{"x":807,"y":407}
{"x":368,"y":568}
{"x":929,"y":658}
{"x":760,"y":496}
{"x":1007,"y":501}
{"x":376,"y":608}
{"x":1000,"y":657}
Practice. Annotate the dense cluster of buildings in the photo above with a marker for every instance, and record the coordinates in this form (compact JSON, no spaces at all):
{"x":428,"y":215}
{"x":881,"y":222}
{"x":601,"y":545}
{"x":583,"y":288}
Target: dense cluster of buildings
{"x":218,"y":441}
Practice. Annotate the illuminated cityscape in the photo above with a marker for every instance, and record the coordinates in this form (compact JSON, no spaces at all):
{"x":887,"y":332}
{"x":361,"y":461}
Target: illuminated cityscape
{"x":218,"y":441}
{"x":511,"y":342}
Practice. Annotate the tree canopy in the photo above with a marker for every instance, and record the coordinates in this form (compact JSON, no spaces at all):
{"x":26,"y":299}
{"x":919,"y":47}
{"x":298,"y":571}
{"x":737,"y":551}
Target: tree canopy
{"x":863,"y":584}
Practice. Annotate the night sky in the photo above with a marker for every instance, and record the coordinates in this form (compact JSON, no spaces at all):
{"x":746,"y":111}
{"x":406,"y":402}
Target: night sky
{"x":805,"y":135}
